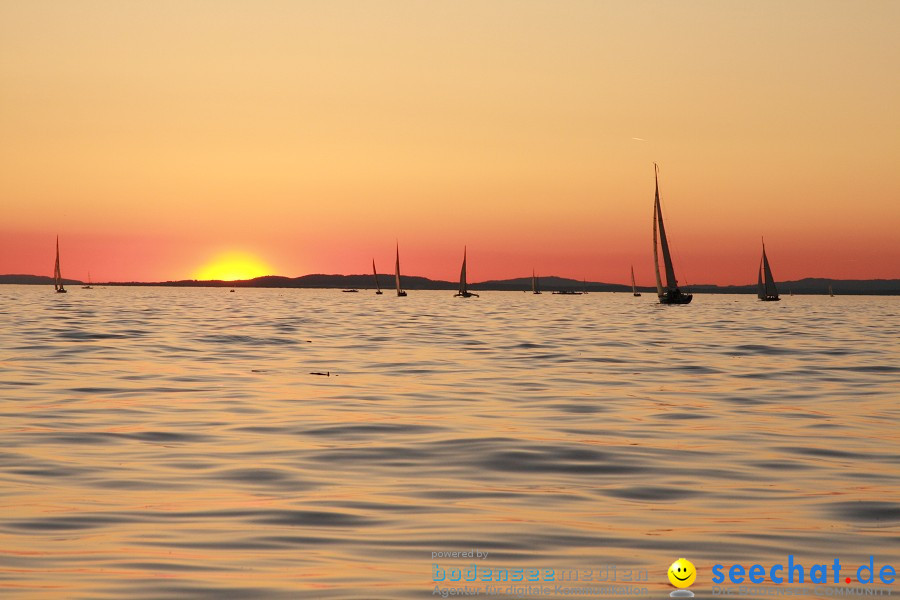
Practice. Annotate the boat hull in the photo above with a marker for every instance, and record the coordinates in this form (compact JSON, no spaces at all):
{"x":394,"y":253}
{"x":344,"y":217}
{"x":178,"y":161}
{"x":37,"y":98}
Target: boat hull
{"x":675,"y":297}
{"x":62,"y":291}
{"x":401,"y":294}
{"x":636,"y":295}
{"x":465,"y":295}
{"x":770,"y":299}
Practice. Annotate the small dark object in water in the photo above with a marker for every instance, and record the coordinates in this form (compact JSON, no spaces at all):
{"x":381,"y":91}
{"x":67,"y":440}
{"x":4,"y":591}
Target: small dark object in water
{"x":325,"y":374}
{"x":350,"y":291}
{"x":232,"y":291}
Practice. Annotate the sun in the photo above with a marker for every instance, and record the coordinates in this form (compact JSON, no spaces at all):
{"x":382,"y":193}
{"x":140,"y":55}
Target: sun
{"x":233,"y":266}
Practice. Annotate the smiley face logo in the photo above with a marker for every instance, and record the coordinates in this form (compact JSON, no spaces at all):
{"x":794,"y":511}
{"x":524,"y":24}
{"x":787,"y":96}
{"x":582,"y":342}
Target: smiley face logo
{"x":682,"y":573}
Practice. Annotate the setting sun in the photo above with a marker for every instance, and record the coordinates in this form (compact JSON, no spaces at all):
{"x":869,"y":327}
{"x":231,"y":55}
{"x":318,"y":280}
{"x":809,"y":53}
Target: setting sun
{"x":233,"y":266}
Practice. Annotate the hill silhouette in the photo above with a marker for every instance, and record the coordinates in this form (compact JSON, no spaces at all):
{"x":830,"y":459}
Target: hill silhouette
{"x":809,"y":285}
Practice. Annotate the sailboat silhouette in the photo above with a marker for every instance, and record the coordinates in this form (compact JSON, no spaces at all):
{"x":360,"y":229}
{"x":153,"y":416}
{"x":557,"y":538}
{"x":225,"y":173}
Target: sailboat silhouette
{"x":671,"y":294}
{"x":57,"y":274}
{"x":375,"y":273}
{"x":400,"y":291}
{"x":463,"y":286}
{"x":765,"y":283}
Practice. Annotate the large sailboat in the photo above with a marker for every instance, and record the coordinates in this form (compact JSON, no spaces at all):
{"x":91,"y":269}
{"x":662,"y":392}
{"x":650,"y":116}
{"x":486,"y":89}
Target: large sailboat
{"x":535,"y":283}
{"x":634,"y":291}
{"x":765,"y":283}
{"x":463,"y":286}
{"x":671,"y":294}
{"x":375,"y":273}
{"x":400,"y":291}
{"x":57,"y":275}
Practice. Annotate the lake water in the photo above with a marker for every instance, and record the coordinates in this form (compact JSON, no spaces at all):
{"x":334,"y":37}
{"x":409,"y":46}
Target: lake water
{"x":172,"y":443}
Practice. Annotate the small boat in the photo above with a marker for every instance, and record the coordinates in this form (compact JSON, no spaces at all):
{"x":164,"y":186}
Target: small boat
{"x":634,"y":291}
{"x":375,"y":273}
{"x":57,"y":275}
{"x":230,"y":291}
{"x":350,"y":291}
{"x":88,"y":286}
{"x":463,"y":286}
{"x":671,"y":294}
{"x":830,"y":291}
{"x":765,"y":283}
{"x":535,"y":283}
{"x":400,"y":291}
{"x":584,"y":286}
{"x":567,"y":293}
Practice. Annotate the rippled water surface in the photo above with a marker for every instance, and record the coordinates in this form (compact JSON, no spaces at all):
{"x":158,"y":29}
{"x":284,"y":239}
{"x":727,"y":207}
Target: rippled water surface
{"x":173,"y":443}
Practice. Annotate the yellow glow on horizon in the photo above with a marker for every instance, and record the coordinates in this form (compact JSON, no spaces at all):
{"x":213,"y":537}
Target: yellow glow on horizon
{"x":233,"y":266}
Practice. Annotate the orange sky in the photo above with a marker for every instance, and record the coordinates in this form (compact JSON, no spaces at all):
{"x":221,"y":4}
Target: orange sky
{"x":154,"y":136}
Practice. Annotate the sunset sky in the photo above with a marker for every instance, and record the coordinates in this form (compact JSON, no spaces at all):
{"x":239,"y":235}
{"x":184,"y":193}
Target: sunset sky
{"x":160,"y":139}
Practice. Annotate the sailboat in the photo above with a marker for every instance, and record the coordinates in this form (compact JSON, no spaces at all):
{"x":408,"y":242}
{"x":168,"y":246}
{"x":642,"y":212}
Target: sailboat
{"x":535,"y":283}
{"x":57,"y":275}
{"x":765,"y":283}
{"x":830,"y":291}
{"x":88,"y":286}
{"x":375,"y":272}
{"x":634,"y":291}
{"x":670,"y":294}
{"x":463,"y":291}
{"x":400,"y":291}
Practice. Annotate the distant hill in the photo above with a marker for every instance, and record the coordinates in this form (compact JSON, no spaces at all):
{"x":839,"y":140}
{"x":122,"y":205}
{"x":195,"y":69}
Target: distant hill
{"x":548,"y":284}
{"x":34,"y":280}
{"x":814,"y":285}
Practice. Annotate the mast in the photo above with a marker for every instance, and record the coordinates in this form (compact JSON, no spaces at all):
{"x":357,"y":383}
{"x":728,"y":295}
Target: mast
{"x":671,"y":282}
{"x":397,"y":271}
{"x":462,"y":275}
{"x":375,"y":273}
{"x":57,"y":275}
{"x":760,"y":288}
{"x":633,"y":287}
{"x":534,"y":284}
